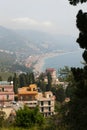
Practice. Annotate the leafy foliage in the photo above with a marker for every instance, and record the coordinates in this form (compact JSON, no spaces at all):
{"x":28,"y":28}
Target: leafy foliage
{"x":5,"y":75}
{"x":19,"y":67}
{"x":2,"y":117}
{"x":22,"y":80}
{"x":82,"y":26}
{"x":49,"y":78}
{"x":6,"y":61}
{"x":64,"y":74}
{"x":26,"y":117}
{"x":75,"y":2}
{"x":15,"y":83}
{"x":77,"y":107}
{"x":59,"y":93}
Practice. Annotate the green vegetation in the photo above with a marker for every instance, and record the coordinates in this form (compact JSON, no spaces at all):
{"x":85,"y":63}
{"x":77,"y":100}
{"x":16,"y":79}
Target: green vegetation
{"x":77,"y":107}
{"x":6,"y":61}
{"x":31,"y":119}
{"x":76,"y":117}
{"x":9,"y":63}
{"x":17,"y":128}
{"x":6,"y":75}
{"x":2,"y":117}
{"x":27,"y":118}
{"x":23,"y":80}
{"x":59,"y":92}
{"x":75,"y":2}
{"x":17,"y":67}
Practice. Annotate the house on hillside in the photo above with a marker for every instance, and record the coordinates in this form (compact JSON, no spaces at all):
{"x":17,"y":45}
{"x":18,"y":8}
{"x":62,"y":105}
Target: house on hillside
{"x":6,"y":92}
{"x":27,"y":93}
{"x":32,"y":97}
{"x":46,"y":102}
{"x":52,"y":71}
{"x":53,"y":74}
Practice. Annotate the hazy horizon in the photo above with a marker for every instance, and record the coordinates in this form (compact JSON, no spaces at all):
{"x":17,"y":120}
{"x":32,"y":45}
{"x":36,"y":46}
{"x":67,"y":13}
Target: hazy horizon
{"x":56,"y":17}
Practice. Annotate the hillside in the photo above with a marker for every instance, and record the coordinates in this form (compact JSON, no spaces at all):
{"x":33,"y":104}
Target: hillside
{"x":47,"y":42}
{"x":7,"y":59}
{"x":30,"y":41}
{"x":12,"y":41}
{"x":17,"y":45}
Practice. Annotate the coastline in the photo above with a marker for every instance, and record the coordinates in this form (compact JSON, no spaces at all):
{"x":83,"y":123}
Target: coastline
{"x":39,"y":64}
{"x":38,"y":67}
{"x":37,"y":61}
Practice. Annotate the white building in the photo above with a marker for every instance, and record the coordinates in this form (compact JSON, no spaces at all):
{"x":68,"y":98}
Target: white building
{"x":46,"y":103}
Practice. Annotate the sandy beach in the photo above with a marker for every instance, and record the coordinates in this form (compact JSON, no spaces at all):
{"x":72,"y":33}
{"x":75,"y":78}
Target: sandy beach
{"x":39,"y":64}
{"x":38,"y":61}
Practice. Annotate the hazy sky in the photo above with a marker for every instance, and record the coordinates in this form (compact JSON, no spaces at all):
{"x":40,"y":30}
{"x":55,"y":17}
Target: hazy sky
{"x":55,"y":16}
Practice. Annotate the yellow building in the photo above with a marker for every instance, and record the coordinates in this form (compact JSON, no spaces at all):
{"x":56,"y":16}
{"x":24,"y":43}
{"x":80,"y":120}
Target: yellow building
{"x":31,"y":97}
{"x":27,"y":93}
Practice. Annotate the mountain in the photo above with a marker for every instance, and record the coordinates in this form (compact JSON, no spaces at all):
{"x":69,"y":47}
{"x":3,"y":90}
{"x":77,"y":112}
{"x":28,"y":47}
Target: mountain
{"x":28,"y":42}
{"x":32,"y":40}
{"x":48,"y":42}
{"x":17,"y":45}
{"x":9,"y":39}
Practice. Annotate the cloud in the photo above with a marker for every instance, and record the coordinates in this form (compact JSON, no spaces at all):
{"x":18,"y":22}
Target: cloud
{"x":33,"y":22}
{"x":47,"y":24}
{"x":25,"y":20}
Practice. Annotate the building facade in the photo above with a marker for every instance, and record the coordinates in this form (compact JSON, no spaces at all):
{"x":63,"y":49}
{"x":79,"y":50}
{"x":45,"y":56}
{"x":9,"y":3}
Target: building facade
{"x":6,"y":92}
{"x":27,"y":93}
{"x":46,"y":102}
{"x":32,"y":98}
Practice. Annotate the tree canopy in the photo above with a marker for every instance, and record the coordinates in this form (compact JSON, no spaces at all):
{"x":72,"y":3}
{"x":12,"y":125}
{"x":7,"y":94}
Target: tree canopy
{"x":75,"y":2}
{"x":81,"y":23}
{"x":77,"y":107}
{"x":26,"y":117}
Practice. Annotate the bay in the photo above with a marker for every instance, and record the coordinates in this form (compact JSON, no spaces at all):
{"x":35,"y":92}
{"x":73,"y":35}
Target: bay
{"x":70,"y":59}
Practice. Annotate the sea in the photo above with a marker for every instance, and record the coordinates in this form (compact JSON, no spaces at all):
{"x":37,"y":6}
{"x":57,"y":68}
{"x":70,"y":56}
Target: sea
{"x":70,"y":59}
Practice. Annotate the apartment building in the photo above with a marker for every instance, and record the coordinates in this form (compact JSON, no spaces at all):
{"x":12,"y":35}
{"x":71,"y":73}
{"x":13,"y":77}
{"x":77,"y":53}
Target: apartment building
{"x":6,"y":92}
{"x":32,"y":98}
{"x":46,"y":102}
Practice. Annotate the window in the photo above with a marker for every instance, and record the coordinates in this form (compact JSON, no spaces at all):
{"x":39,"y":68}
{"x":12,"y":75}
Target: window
{"x":49,"y":109}
{"x":28,"y":89}
{"x":49,"y":102}
{"x":29,"y":98}
{"x":7,"y":97}
{"x":34,"y":89}
{"x":41,"y":103}
{"x":3,"y":89}
{"x":42,"y":109}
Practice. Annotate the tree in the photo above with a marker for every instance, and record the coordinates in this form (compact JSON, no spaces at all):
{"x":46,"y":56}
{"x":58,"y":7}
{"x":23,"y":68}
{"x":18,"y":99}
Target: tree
{"x":26,"y":117}
{"x":41,"y":83}
{"x":59,"y":93}
{"x":31,"y":78}
{"x":82,"y":26}
{"x":49,"y":78}
{"x":15,"y":83}
{"x":76,"y":116}
{"x":22,"y":80}
{"x":75,"y":2}
{"x":0,"y":78}
{"x":10,"y":78}
{"x":2,"y":118}
{"x":64,"y":74}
